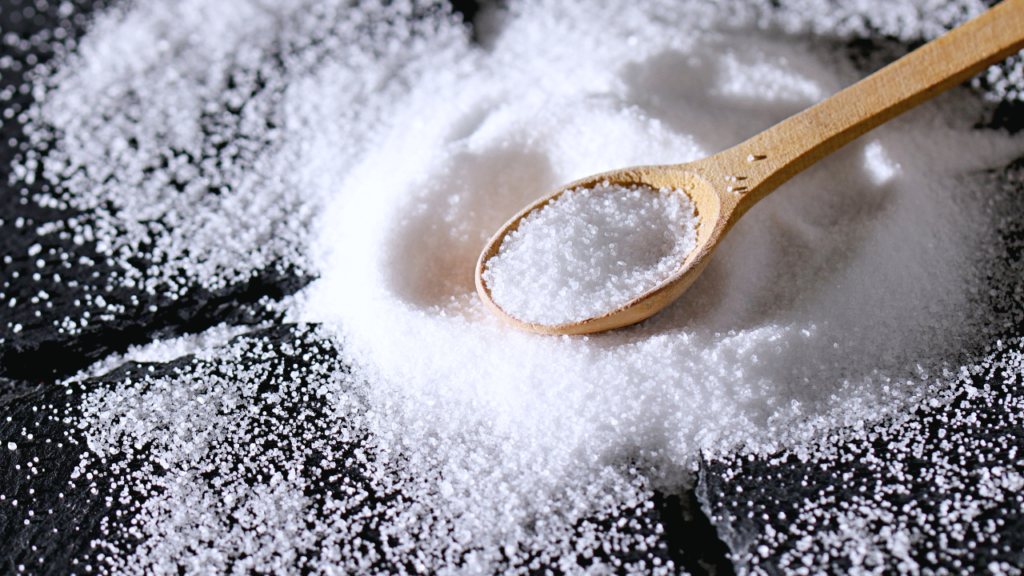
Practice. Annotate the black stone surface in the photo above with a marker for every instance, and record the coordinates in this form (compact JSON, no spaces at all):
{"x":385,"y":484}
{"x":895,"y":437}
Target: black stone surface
{"x":55,"y":520}
{"x":40,"y":349}
{"x":948,"y":479}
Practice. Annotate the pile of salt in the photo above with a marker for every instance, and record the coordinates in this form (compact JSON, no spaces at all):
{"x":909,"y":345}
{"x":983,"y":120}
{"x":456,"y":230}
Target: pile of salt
{"x":590,"y":251}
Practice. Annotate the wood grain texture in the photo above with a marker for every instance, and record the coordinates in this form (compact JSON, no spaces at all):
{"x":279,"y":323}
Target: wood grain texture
{"x":724,"y":186}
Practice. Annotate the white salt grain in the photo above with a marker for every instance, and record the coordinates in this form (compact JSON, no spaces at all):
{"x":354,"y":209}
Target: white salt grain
{"x":591,"y":251}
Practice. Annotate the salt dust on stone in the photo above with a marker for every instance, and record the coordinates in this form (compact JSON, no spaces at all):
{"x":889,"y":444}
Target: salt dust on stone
{"x":590,"y":251}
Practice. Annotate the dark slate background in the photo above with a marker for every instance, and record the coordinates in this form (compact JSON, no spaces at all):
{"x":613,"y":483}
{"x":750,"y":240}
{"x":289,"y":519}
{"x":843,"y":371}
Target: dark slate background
{"x":777,"y":492}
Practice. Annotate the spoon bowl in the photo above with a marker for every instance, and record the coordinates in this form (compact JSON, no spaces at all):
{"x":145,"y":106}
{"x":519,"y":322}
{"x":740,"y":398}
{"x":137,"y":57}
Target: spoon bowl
{"x":684,"y":178}
{"x":724,"y":186}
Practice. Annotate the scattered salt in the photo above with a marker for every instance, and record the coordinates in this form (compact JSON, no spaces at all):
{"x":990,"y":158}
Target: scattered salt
{"x":591,"y":251}
{"x":165,"y":350}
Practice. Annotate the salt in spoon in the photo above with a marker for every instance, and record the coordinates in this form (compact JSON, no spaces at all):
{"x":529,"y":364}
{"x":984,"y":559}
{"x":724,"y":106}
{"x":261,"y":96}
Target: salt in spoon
{"x":724,"y":186}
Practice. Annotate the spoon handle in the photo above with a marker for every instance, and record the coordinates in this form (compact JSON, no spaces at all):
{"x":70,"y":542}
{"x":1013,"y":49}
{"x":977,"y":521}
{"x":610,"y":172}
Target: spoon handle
{"x":779,"y":153}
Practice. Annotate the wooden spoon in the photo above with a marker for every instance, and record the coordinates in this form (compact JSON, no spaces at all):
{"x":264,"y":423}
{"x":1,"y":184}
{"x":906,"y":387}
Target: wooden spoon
{"x":724,"y":186}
